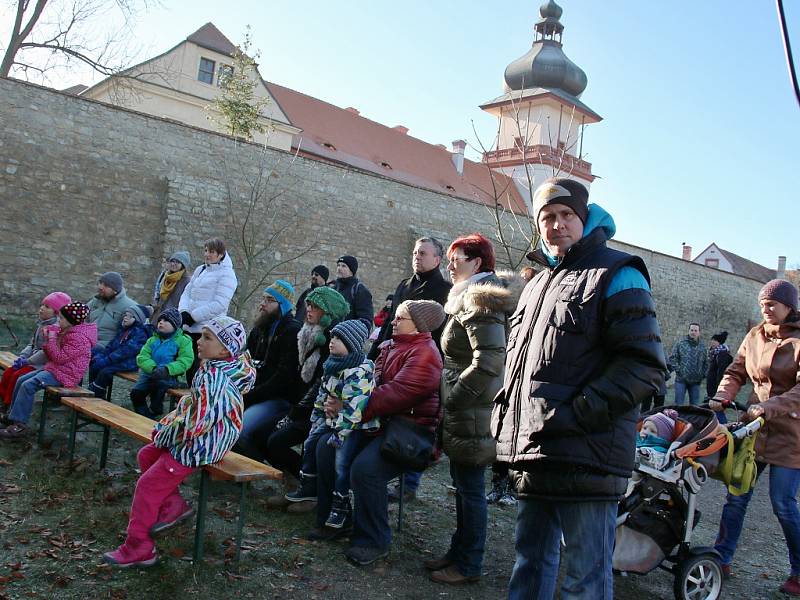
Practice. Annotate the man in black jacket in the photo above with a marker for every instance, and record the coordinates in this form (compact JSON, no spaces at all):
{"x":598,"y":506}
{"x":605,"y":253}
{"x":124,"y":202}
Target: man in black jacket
{"x":356,"y":293}
{"x":273,"y":345}
{"x":427,"y":283}
{"x":319,"y":276}
{"x":583,"y":352}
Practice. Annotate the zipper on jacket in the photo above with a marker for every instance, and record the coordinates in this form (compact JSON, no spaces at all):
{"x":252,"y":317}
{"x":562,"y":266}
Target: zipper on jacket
{"x":517,"y":407}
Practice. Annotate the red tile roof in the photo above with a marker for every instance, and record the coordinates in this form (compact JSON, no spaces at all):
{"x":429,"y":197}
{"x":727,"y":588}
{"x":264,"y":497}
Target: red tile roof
{"x":340,"y":135}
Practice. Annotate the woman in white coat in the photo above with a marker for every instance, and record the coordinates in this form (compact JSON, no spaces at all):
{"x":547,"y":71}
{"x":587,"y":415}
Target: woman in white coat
{"x":208,"y":294}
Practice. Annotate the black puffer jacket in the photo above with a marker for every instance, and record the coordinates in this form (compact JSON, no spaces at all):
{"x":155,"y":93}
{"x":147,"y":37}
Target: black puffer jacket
{"x":277,"y":375}
{"x":578,"y":366}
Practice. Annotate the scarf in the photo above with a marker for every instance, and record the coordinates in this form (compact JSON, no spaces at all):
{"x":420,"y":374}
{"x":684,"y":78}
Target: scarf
{"x":169,"y":282}
{"x":712,"y":352}
{"x":337,"y":364}
{"x":453,"y":304}
{"x":308,"y":348}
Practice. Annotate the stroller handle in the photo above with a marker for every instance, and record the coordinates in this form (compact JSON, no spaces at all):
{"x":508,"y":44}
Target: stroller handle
{"x":749,"y":429}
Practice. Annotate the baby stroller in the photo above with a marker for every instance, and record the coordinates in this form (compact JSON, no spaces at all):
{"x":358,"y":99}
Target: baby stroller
{"x":659,"y":513}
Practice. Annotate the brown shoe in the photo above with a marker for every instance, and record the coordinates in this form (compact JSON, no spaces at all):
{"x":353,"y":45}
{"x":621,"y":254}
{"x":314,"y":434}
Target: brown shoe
{"x":452,"y":576}
{"x":436,"y":564}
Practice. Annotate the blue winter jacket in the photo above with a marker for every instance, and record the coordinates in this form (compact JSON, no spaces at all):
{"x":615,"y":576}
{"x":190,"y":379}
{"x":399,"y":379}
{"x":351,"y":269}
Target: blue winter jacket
{"x":121,"y":351}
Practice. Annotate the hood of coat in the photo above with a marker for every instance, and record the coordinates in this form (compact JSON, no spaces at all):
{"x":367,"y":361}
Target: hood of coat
{"x":239,"y":370}
{"x":499,"y":292}
{"x":84,"y":330}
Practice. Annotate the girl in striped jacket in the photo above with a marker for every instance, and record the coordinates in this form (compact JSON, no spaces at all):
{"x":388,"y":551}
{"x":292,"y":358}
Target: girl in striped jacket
{"x":200,"y":431}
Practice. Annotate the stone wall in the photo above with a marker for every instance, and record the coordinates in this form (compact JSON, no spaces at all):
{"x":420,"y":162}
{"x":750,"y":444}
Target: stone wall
{"x":87,"y":188}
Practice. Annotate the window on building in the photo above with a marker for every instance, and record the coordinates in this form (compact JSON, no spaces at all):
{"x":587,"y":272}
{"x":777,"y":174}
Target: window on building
{"x":712,"y":262}
{"x":225,"y":73}
{"x":206,"y":71}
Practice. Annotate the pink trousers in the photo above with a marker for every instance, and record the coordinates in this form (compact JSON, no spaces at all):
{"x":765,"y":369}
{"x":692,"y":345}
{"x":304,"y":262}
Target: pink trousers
{"x":156,"y":493}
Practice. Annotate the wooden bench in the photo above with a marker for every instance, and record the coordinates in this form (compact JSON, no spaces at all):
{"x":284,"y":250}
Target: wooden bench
{"x":234,"y":467}
{"x":175,"y":394}
{"x":52,"y":393}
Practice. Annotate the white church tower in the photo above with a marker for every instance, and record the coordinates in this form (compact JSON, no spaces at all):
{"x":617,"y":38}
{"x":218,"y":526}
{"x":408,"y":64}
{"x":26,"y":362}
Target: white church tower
{"x":541,"y":119}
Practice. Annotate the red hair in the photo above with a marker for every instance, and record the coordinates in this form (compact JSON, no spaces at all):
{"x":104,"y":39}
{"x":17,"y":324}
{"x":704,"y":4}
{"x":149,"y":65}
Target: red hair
{"x":475,"y":245}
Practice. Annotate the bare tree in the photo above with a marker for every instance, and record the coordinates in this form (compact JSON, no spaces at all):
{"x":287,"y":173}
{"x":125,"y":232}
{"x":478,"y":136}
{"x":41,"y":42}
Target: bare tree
{"x":515,"y":225}
{"x":52,"y":34}
{"x":262,"y":224}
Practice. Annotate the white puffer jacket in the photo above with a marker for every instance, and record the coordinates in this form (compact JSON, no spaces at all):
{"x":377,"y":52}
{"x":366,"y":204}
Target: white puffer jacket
{"x":208,"y":293}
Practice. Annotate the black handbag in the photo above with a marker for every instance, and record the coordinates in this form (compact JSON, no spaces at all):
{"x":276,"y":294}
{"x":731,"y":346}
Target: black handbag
{"x":407,"y":444}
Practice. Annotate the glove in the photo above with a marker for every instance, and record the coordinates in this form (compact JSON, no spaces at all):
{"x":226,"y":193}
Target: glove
{"x":19,"y":362}
{"x":187,"y":319}
{"x":160,"y":373}
{"x":335,"y":441}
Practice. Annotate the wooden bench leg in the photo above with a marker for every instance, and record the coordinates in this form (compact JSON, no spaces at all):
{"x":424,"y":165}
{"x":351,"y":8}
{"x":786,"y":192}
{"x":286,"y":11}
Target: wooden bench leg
{"x":73,"y":428}
{"x":43,"y":418}
{"x":401,"y":486}
{"x":240,"y":527}
{"x":104,"y":447}
{"x":200,"y":527}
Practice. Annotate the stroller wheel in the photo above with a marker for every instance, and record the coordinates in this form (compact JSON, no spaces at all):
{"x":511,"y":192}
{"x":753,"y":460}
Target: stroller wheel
{"x":698,"y":577}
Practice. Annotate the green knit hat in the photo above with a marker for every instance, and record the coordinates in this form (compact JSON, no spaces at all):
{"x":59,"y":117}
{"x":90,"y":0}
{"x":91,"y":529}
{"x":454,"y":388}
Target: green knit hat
{"x":331,"y":302}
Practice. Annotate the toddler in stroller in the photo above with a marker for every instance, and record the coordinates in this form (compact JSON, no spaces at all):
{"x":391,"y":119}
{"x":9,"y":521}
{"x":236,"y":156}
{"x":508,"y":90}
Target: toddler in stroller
{"x":658,"y":514}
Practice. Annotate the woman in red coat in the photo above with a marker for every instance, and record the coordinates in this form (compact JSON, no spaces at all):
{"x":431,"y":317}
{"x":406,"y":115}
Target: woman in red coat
{"x":407,"y":375}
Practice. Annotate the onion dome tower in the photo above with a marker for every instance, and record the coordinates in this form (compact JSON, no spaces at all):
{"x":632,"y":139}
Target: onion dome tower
{"x":541,"y":118}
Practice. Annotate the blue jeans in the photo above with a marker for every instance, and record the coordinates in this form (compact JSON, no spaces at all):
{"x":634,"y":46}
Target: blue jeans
{"x":24,"y":392}
{"x":681,"y":387}
{"x":783,"y":485}
{"x":155,"y":387}
{"x":258,"y":424}
{"x":469,"y":540}
{"x":412,"y":479}
{"x":342,"y":462}
{"x":369,"y":475}
{"x":588,"y":530}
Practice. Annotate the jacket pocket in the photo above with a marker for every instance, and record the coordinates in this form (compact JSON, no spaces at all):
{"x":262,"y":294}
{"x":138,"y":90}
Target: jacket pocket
{"x":549,"y":411}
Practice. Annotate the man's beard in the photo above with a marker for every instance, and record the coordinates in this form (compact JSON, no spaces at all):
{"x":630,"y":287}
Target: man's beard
{"x":263,"y":319}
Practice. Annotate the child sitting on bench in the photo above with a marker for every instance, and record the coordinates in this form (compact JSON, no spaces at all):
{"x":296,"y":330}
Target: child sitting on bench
{"x":166,"y":355}
{"x":68,"y":349}
{"x":32,"y":356}
{"x":200,"y":431}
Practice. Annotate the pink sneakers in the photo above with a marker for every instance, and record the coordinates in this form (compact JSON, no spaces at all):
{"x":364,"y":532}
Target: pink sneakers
{"x":128,"y":555}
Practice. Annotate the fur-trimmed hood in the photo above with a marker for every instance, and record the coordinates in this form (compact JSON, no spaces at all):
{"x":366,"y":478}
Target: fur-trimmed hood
{"x":495,"y":292}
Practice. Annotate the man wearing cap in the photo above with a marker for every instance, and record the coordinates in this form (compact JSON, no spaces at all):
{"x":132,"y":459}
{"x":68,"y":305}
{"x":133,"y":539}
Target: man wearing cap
{"x":319,"y":276}
{"x":273,"y":345}
{"x":583,"y":352}
{"x":106,"y":308}
{"x":355,"y":292}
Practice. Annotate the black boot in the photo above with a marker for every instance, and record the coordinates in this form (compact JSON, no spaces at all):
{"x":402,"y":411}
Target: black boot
{"x":307,"y":490}
{"x":340,"y":511}
{"x":139,"y":401}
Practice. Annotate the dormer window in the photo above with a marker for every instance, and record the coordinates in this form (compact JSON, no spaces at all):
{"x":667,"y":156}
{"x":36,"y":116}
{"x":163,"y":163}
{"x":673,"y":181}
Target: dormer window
{"x":206,"y":71}
{"x":224,"y":74}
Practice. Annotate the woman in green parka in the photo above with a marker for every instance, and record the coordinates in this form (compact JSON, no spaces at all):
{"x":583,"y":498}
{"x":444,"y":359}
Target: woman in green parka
{"x":473,"y":343}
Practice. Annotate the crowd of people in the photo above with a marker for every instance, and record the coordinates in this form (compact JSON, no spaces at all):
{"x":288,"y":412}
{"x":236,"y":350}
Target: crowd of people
{"x":539,"y":376}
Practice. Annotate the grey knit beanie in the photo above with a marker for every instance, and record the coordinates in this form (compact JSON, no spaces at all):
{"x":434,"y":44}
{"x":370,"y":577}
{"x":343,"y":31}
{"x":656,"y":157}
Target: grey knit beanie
{"x":562,"y":191}
{"x":353,"y":333}
{"x":182,"y":257}
{"x":781,"y":291}
{"x":113,"y":280}
{"x":426,"y":314}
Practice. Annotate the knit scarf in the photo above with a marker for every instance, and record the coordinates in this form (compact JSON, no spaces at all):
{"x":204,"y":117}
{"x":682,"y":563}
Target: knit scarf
{"x":169,"y":282}
{"x":337,"y":364}
{"x":308,"y":348}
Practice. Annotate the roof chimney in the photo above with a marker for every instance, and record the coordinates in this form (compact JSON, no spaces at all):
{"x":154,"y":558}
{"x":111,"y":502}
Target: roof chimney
{"x":781,"y":272}
{"x":458,"y":155}
{"x":686,"y":253}
{"x":355,"y":111}
{"x":401,"y":129}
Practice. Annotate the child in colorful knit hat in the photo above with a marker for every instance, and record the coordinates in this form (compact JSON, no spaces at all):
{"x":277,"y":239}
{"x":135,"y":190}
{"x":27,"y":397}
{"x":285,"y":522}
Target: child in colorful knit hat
{"x":32,"y":356}
{"x":167,"y":354}
{"x":120,"y":353}
{"x":68,"y":348}
{"x":348,"y":377}
{"x":658,"y":430}
{"x":200,"y":431}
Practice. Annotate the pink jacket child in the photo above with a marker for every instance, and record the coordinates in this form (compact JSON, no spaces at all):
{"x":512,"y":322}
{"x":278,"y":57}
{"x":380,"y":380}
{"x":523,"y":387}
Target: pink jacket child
{"x":68,"y":349}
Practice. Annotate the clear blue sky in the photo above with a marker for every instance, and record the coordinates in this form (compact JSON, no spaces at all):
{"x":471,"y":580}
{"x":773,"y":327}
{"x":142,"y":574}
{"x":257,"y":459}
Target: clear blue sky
{"x":700,"y":123}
